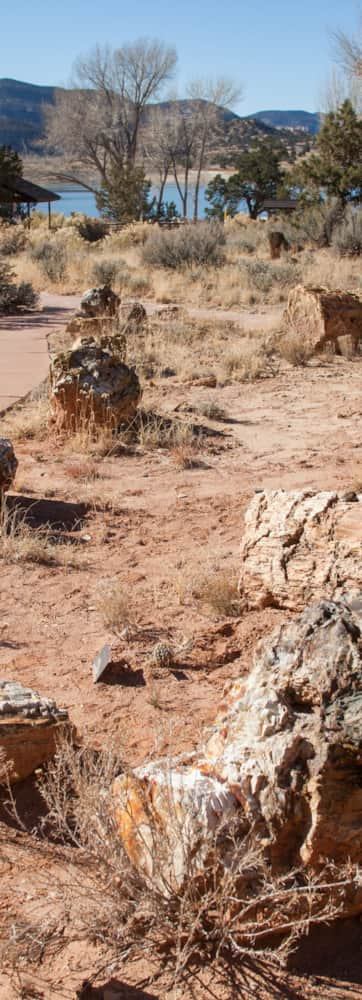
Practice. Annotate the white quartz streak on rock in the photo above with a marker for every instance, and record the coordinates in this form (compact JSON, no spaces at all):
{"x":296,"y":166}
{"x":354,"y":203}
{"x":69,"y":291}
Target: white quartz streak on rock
{"x":284,"y":755}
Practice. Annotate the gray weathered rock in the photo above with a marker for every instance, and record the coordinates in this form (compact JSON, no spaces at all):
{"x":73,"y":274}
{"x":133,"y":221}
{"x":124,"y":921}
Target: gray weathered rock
{"x":91,"y":384}
{"x":298,"y":546}
{"x":29,"y":728}
{"x":8,"y":465}
{"x":100,"y":302}
{"x":284,"y":756}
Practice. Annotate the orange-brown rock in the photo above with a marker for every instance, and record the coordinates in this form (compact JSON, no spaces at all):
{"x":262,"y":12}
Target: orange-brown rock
{"x":91,"y":384}
{"x":300,"y":546}
{"x":284,"y":756}
{"x":98,"y":316}
{"x":320,"y":317}
{"x":29,"y":729}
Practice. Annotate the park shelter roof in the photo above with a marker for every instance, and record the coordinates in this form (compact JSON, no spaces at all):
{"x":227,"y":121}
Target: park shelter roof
{"x":21,"y":190}
{"x":280,"y":204}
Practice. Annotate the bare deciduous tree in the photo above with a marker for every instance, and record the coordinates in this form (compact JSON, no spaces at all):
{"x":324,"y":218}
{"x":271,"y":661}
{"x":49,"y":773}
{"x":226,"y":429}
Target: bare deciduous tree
{"x":345,"y":83}
{"x":211,"y":97}
{"x":348,"y":51}
{"x":97,"y":124}
{"x":156,"y":144}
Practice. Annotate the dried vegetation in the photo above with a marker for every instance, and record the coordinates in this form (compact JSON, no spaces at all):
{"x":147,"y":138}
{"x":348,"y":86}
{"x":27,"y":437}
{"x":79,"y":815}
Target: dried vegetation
{"x":229,"y":913}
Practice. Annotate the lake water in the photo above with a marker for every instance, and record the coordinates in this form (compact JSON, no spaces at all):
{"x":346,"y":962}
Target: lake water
{"x":84,"y":201}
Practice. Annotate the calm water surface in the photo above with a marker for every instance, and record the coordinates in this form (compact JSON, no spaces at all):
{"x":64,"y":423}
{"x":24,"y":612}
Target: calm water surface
{"x":84,"y":201}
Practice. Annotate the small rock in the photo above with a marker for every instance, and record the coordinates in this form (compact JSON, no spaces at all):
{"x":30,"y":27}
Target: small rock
{"x":8,"y":465}
{"x":100,"y":662}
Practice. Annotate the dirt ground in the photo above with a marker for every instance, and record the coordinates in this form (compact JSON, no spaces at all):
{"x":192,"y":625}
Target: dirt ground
{"x":154,"y":527}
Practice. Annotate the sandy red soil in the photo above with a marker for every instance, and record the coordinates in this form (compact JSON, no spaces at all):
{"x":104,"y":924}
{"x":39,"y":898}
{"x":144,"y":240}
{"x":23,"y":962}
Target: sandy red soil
{"x":164,"y":525}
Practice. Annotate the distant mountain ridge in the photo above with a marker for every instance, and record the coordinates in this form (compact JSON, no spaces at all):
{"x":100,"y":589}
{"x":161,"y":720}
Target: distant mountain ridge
{"x":21,"y":116}
{"x":307,"y":120}
{"x":21,"y":120}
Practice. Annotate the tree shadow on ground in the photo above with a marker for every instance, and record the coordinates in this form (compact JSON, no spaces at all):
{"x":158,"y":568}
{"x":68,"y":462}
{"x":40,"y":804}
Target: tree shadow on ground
{"x":25,"y":320}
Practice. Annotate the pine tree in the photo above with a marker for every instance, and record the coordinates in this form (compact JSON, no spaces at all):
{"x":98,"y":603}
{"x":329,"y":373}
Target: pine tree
{"x":335,"y":170}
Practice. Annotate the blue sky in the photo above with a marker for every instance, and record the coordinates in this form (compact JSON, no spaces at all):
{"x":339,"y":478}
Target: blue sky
{"x":279,"y":49}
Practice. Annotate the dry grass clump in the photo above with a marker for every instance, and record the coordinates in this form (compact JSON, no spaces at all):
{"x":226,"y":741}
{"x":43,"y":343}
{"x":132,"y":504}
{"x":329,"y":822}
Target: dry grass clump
{"x":13,"y":239}
{"x":21,"y":543}
{"x":221,"y":912}
{"x":82,"y":470}
{"x":213,"y":587}
{"x":112,"y":603}
{"x":326,"y":269}
{"x":292,"y":348}
{"x":211,"y":410}
{"x":246,"y":360}
{"x":101,"y":441}
{"x":25,"y":423}
{"x":52,"y":258}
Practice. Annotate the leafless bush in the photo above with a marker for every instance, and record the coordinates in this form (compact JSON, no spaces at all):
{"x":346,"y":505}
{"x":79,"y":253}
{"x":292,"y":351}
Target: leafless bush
{"x":347,"y":237}
{"x":315,"y":223}
{"x":262,"y":276}
{"x":52,"y":257}
{"x":187,"y":246}
{"x":221,"y":910}
{"x":107,"y":270}
{"x":12,"y":239}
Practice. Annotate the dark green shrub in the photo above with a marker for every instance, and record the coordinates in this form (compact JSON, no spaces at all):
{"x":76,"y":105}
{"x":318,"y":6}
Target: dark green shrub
{"x":14,"y":297}
{"x":185,"y":246}
{"x":92,"y":230}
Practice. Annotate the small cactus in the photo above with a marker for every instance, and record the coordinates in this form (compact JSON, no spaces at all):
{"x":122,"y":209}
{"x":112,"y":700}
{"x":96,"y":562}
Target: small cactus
{"x":162,"y":655}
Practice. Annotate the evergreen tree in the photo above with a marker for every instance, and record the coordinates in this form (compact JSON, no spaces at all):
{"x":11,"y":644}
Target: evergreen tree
{"x":125,"y":196}
{"x":11,"y":166}
{"x":335,"y":170}
{"x":258,"y":177}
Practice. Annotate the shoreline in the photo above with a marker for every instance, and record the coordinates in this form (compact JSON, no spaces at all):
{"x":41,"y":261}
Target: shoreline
{"x":41,"y":173}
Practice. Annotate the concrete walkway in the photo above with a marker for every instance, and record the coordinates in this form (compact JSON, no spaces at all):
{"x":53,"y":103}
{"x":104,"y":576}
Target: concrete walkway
{"x":24,"y":360}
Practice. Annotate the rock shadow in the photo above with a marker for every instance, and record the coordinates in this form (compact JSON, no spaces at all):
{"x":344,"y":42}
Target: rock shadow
{"x":118,"y":673}
{"x":114,"y":989}
{"x":46,"y":513}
